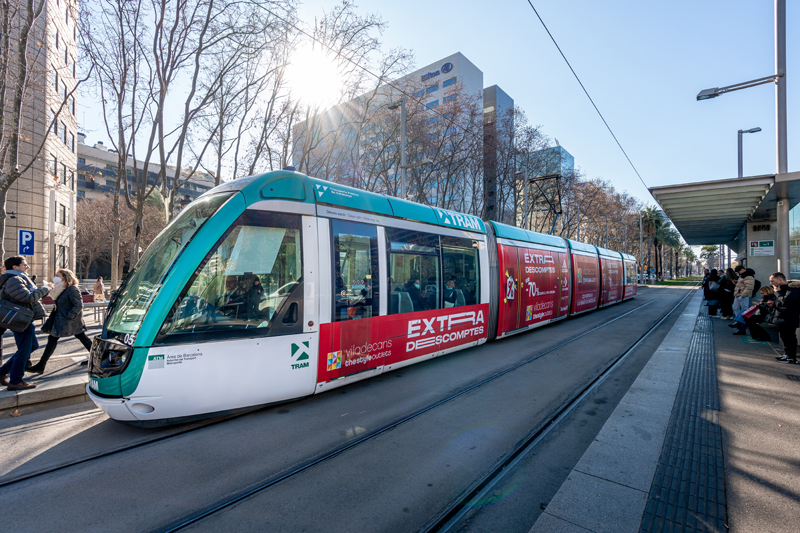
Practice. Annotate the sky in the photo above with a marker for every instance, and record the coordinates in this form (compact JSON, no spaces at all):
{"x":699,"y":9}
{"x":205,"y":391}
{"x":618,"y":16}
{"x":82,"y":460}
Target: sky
{"x":643,"y":64}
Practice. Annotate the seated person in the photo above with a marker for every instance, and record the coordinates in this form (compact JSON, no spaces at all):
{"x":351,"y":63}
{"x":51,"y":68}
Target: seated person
{"x":753,"y":322}
{"x":234,"y":300}
{"x":412,"y":287}
{"x":450,"y":294}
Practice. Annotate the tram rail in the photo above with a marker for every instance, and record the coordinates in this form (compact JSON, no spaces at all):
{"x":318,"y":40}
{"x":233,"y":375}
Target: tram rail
{"x":451,"y":517}
{"x":550,"y":422}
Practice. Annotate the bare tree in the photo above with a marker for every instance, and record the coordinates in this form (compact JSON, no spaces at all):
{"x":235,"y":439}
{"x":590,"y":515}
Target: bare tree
{"x":111,"y":39}
{"x":23,"y":41}
{"x":94,"y":222}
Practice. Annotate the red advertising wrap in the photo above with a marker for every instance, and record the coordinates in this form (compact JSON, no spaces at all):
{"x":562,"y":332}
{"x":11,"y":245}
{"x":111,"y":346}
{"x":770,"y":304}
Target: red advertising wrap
{"x":586,"y":283}
{"x":351,"y":346}
{"x":531,"y":289}
{"x":630,"y":291}
{"x":612,"y":280}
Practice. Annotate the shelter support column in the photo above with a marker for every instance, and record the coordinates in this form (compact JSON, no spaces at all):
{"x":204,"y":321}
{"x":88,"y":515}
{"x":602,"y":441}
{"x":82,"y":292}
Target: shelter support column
{"x":782,"y":248}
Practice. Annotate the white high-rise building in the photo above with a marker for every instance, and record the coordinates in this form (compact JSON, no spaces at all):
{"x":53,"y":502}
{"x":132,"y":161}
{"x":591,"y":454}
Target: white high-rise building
{"x":324,"y":145}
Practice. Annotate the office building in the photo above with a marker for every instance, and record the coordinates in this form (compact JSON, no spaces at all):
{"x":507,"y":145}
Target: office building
{"x":357,"y":143}
{"x":97,"y":174}
{"x":40,"y":205}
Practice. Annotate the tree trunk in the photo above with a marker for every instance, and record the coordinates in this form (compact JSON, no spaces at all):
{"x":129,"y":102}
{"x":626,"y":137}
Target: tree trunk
{"x":3,"y":193}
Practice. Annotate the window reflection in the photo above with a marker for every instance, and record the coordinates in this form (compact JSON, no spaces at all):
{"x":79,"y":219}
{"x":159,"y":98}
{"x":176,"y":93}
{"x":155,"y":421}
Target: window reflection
{"x":251,"y":281}
{"x":355,"y":271}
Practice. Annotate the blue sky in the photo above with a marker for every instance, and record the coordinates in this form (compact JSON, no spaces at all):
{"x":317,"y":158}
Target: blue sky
{"x":643,"y":64}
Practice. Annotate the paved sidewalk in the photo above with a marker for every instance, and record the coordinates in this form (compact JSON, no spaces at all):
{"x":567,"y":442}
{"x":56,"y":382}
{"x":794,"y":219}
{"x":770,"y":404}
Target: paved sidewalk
{"x":64,"y":381}
{"x":713,"y":450}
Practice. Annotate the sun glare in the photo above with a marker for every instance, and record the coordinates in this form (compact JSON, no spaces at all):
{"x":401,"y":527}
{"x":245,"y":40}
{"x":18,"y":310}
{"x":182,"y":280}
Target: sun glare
{"x":314,"y":76}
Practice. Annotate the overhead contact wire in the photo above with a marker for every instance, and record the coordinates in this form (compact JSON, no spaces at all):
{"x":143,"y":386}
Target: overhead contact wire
{"x":530,"y":3}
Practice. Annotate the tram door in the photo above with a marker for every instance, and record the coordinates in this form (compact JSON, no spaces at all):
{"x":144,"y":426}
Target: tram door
{"x":346,"y":343}
{"x":563,"y":283}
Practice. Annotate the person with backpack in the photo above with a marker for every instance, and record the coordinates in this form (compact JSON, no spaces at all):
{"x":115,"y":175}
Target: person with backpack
{"x":16,"y":287}
{"x":746,"y":287}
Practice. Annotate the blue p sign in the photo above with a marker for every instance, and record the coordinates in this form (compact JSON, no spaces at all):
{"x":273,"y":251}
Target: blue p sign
{"x":25,"y":242}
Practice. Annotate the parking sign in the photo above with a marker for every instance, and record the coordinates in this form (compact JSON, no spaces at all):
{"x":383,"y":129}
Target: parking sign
{"x":25,"y":242}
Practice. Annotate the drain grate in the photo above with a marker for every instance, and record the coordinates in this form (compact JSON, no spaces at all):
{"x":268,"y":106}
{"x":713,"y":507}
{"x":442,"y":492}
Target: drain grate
{"x":793,"y":377}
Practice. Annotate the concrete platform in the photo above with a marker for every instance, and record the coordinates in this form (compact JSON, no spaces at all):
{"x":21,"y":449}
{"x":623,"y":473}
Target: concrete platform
{"x":705,"y":440}
{"x":64,"y":381}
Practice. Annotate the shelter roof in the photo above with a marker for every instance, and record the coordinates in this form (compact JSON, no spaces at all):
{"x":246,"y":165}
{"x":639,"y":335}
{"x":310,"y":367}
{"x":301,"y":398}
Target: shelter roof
{"x":715,"y":212}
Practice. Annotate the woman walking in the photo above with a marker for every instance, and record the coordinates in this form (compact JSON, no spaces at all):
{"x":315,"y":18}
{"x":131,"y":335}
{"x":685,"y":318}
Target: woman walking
{"x":65,"y":319}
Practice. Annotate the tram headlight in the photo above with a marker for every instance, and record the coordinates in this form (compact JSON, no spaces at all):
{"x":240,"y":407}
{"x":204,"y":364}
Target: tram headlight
{"x":109,"y":357}
{"x":117,"y":357}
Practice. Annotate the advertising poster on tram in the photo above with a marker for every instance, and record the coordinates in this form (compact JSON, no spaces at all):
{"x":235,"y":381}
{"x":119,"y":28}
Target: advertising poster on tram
{"x":612,"y":280}
{"x":508,"y":311}
{"x":355,"y":345}
{"x":539,"y":291}
{"x":586,"y":283}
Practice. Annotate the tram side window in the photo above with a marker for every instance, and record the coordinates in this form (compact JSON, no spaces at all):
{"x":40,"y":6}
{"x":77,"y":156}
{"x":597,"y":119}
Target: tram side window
{"x":414,"y":273}
{"x":630,"y":273}
{"x":249,"y":285}
{"x":355,"y":271}
{"x":460,"y":266}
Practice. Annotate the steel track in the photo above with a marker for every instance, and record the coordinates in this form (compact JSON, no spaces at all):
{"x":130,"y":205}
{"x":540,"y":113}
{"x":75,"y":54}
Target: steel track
{"x":450,"y":518}
{"x":302,"y":467}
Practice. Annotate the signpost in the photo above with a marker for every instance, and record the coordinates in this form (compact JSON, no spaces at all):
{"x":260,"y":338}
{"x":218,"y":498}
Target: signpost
{"x":26,"y":242}
{"x":762,"y":248}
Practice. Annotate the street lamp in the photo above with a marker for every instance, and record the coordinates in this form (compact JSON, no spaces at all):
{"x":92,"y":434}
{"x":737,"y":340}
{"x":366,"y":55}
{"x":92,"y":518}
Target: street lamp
{"x":393,"y":107}
{"x":754,"y":130}
{"x":707,"y":94}
{"x":782,"y":151}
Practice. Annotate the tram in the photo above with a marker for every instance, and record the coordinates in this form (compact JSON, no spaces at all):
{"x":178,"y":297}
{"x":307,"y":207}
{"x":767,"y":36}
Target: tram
{"x":278,"y":286}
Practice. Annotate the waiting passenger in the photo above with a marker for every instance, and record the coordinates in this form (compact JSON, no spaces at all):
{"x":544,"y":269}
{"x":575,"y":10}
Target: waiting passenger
{"x":755,"y":316}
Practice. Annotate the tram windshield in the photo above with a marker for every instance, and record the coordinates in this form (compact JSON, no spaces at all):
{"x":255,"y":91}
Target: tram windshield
{"x":135,"y":295}
{"x":249,"y":285}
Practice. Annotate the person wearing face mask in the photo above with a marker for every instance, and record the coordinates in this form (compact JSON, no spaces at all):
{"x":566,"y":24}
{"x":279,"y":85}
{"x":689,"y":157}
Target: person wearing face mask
{"x":66,"y":318}
{"x":413,"y":290}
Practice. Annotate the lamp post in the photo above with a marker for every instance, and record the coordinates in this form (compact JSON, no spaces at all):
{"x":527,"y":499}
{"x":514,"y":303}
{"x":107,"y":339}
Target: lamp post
{"x":741,"y":166}
{"x":402,"y":106}
{"x":782,"y":160}
{"x":641,"y":248}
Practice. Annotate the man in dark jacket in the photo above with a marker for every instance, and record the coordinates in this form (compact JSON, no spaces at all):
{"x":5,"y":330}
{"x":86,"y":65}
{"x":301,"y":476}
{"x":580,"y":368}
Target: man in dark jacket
{"x":786,"y":315}
{"x":18,"y":288}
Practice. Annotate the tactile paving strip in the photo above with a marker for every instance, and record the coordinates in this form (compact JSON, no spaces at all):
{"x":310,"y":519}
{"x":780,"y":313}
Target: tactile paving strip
{"x":688,"y":491}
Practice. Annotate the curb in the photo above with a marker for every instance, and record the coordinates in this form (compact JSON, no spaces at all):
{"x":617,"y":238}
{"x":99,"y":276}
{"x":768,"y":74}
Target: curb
{"x":56,"y":389}
{"x":608,"y":488}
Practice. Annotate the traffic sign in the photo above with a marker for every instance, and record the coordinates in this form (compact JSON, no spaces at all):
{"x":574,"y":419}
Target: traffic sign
{"x":26,"y":242}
